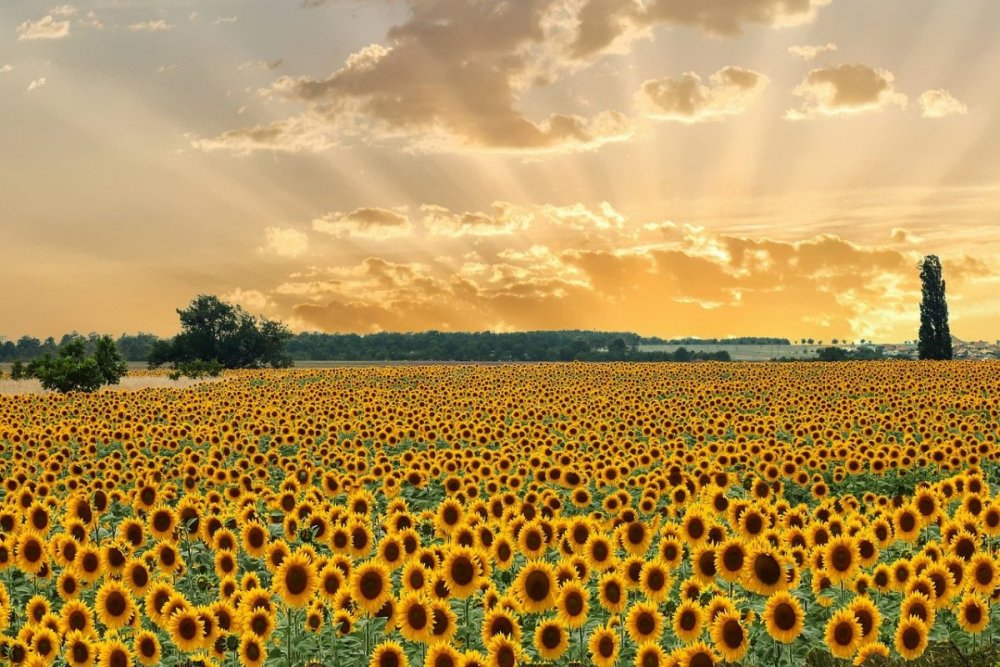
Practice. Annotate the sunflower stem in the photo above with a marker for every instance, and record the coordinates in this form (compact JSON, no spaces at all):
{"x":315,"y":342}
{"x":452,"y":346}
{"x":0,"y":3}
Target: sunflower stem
{"x":288,"y":638}
{"x":468,"y":625}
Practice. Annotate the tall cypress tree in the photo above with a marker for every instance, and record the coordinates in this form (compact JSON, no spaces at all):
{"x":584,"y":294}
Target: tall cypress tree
{"x":935,"y":335}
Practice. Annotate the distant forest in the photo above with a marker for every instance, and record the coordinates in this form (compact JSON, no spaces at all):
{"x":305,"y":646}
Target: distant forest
{"x":430,"y":346}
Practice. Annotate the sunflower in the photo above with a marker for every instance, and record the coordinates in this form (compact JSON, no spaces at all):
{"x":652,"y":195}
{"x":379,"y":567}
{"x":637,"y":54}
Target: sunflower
{"x":500,"y":621}
{"x":186,"y":630}
{"x":551,"y":640}
{"x":843,"y":634}
{"x":871,"y":650}
{"x":842,"y":558}
{"x":764,"y":570}
{"x":388,"y":654}
{"x":918,"y":605}
{"x":907,"y":523}
{"x":443,"y":655}
{"x":162,"y":522}
{"x":76,"y":616}
{"x":331,"y":582}
{"x":156,"y":599}
{"x":635,"y":538}
{"x":254,"y":538}
{"x":253,"y":650}
{"x":503,"y":652}
{"x":654,"y":580}
{"x":573,"y":605}
{"x":295,"y":580}
{"x":729,"y":559}
{"x":137,"y":577}
{"x":45,"y":644}
{"x":37,"y":608}
{"x":147,"y":648}
{"x":611,"y":593}
{"x":603,"y":646}
{"x":89,"y":564}
{"x":783,"y":617}
{"x":503,"y":552}
{"x":868,"y":616}
{"x":531,"y":540}
{"x":645,"y":623}
{"x":973,"y":613}
{"x":698,"y":654}
{"x":370,"y":586}
{"x":258,"y":622}
{"x":114,"y":604}
{"x":115,"y":654}
{"x":78,"y":650}
{"x":462,"y":571}
{"x":911,"y":638}
{"x":444,"y":621}
{"x":30,"y":552}
{"x":730,"y":638}
{"x":535,"y":587}
{"x":981,"y":573}
{"x":650,"y":655}
{"x":687,"y":621}
{"x":413,"y":617}
{"x":599,"y":553}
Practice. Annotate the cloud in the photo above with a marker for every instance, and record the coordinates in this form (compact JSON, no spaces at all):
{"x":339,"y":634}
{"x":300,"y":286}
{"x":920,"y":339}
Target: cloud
{"x":47,"y":27}
{"x":36,"y":84}
{"x":313,"y":3}
{"x":504,"y":218}
{"x":298,"y":134}
{"x":261,"y":64}
{"x":810,"y":51}
{"x":159,"y":25}
{"x":6,"y":68}
{"x":253,"y":300}
{"x":63,"y":10}
{"x":371,"y":223}
{"x":902,"y":235}
{"x":603,"y":23}
{"x":451,"y":78}
{"x":687,"y":99}
{"x":285,"y":242}
{"x":226,"y":19}
{"x":845,"y":90}
{"x":92,"y":20}
{"x":940,"y":103}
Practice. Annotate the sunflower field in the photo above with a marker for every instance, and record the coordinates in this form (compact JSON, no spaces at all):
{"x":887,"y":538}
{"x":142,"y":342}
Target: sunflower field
{"x":655,"y":515}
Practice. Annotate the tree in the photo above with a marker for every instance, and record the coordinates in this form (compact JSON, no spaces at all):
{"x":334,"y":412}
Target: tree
{"x":109,"y":360}
{"x":934,"y":334}
{"x":70,"y":369}
{"x":617,"y":348}
{"x":213,"y":330}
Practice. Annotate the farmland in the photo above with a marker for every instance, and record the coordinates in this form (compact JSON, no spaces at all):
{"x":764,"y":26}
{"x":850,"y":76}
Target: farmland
{"x":603,"y":514}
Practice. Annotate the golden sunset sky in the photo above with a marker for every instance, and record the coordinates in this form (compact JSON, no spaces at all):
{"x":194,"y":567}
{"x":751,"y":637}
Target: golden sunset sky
{"x":670,"y":167}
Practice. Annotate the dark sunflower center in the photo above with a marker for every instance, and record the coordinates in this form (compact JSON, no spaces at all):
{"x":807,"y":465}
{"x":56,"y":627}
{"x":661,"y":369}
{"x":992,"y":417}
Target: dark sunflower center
{"x":785,"y":616}
{"x":843,"y":634}
{"x":732,"y":633}
{"x":841,"y":559}
{"x":574,"y":604}
{"x":416,"y":616}
{"x":551,"y":636}
{"x":537,"y":585}
{"x":371,"y":585}
{"x":296,"y":579}
{"x":115,"y":604}
{"x":645,"y":623}
{"x":606,"y":646}
{"x":767,"y":569}
{"x":911,"y":638}
{"x":462,"y":571}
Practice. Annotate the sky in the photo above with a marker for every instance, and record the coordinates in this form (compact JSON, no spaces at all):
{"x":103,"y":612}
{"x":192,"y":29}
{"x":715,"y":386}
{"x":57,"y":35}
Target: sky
{"x":669,"y":167}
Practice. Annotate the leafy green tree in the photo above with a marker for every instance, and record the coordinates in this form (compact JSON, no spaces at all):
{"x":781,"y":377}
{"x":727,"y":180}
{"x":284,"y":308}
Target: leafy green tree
{"x":70,"y":370}
{"x":213,"y":330}
{"x":934,"y":333}
{"x":109,"y":360}
{"x":17,"y":371}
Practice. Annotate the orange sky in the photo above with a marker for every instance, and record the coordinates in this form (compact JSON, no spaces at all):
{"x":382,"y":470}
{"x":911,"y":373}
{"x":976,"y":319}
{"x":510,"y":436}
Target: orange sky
{"x":672,"y":167}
